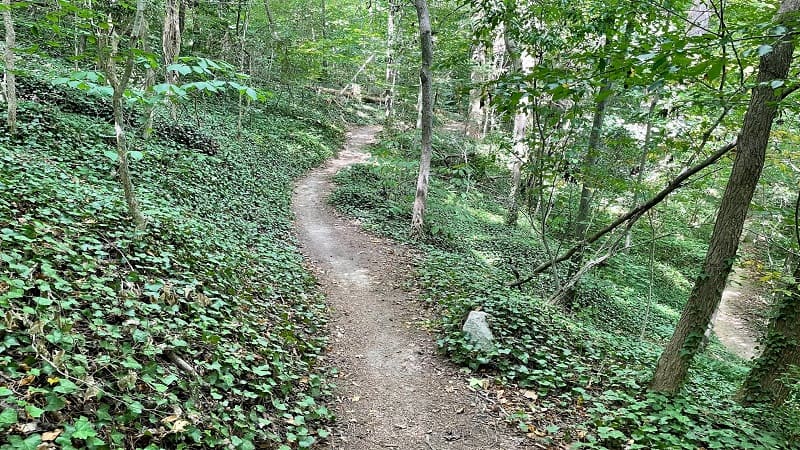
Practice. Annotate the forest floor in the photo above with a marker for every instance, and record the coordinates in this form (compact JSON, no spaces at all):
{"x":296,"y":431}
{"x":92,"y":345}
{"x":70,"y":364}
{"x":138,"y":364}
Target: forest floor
{"x":737,"y":321}
{"x":393,"y":389}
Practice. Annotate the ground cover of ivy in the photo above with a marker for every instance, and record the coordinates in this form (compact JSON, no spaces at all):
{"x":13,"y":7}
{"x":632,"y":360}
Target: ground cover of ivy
{"x":589,"y":364}
{"x":201,"y":331}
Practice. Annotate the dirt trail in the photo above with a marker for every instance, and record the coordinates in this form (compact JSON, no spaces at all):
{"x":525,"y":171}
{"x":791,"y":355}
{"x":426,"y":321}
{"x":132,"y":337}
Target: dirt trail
{"x":733,"y":321}
{"x":393,"y":391}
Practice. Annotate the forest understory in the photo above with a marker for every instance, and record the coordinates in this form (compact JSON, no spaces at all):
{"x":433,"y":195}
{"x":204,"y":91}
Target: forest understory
{"x":250,"y":224}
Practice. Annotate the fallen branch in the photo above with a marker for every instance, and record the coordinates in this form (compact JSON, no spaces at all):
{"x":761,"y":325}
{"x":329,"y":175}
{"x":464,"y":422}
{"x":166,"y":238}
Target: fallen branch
{"x":631,"y":216}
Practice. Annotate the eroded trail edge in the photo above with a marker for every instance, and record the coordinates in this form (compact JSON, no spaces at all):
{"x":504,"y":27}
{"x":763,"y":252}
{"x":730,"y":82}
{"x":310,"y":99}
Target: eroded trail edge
{"x":393,"y":391}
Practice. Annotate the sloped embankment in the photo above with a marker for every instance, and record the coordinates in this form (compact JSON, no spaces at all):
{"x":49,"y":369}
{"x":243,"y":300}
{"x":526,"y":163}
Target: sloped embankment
{"x":204,"y":329}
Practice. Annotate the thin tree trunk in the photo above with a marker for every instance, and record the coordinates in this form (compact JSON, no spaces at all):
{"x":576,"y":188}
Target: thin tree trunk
{"x":171,"y":44}
{"x":392,"y":35}
{"x":592,"y":154}
{"x":108,"y":51}
{"x":631,"y":216}
{"x":520,"y":152}
{"x":638,"y":193}
{"x":142,"y":30}
{"x":426,"y":103}
{"x":673,"y":365}
{"x":475,"y":111}
{"x":10,"y":82}
{"x":242,"y":56}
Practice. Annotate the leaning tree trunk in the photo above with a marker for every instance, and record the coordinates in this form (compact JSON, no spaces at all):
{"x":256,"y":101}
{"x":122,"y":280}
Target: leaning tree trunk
{"x":11,"y":83}
{"x":171,"y":44}
{"x":673,"y":365}
{"x":426,"y":106}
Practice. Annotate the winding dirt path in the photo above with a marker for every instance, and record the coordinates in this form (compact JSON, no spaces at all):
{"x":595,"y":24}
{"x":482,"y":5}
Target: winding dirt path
{"x":732,"y":323}
{"x":393,"y":390}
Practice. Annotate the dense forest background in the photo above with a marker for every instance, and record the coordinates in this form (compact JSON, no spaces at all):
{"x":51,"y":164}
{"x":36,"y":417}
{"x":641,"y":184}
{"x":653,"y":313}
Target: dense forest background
{"x":591,"y":174}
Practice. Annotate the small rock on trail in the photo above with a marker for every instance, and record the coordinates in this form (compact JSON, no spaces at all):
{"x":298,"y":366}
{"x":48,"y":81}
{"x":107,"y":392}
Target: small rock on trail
{"x":393,"y":390}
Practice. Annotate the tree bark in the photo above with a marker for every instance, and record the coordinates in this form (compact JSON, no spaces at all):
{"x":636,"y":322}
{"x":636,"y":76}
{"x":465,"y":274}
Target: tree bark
{"x":426,"y":104}
{"x":108,"y":51}
{"x":520,"y":152}
{"x":392,"y":35}
{"x":673,"y":365}
{"x":171,"y":44}
{"x":764,"y":382}
{"x":10,"y":78}
{"x":592,"y":154}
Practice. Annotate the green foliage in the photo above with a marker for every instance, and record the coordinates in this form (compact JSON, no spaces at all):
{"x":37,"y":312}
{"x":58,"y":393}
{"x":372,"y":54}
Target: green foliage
{"x":204,"y":330}
{"x":590,"y":366}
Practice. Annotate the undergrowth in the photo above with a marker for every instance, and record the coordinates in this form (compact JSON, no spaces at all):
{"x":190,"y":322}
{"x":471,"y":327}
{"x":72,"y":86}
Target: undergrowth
{"x":204,"y":330}
{"x":591,"y":365}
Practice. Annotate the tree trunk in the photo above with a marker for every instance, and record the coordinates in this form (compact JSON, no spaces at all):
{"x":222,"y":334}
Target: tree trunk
{"x":171,"y":44}
{"x":108,"y":51}
{"x":426,"y":106}
{"x":764,"y":382}
{"x":392,"y":34}
{"x":699,"y":18}
{"x":11,"y":82}
{"x":242,"y":56}
{"x":520,"y":152}
{"x":592,"y":153}
{"x":141,"y":28}
{"x":476,"y":112}
{"x":638,"y":193}
{"x":673,"y":365}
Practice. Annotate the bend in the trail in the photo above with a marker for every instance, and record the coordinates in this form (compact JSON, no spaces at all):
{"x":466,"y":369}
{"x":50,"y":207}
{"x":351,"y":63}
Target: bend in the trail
{"x":394,"y":391}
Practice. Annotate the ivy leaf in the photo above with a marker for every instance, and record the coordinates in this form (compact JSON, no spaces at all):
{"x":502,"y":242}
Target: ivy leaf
{"x":83,"y":429}
{"x":33,"y":411}
{"x":136,"y":155}
{"x":8,"y":417}
{"x":30,"y":443}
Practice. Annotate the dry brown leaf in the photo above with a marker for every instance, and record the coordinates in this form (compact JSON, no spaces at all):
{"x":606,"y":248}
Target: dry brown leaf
{"x":51,"y":435}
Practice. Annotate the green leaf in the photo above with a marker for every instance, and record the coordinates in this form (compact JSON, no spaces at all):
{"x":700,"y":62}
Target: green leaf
{"x":83,"y":429}
{"x":30,"y":443}
{"x":8,"y":417}
{"x":136,"y":155}
{"x":252,"y":94}
{"x":112,"y":155}
{"x":33,"y":411}
{"x":66,"y":387}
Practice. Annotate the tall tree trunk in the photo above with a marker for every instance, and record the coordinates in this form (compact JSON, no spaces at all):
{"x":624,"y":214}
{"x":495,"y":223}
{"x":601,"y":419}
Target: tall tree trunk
{"x":426,"y":103}
{"x":699,"y":18}
{"x":764,"y":382}
{"x":142,"y":30}
{"x":475,"y":111}
{"x":242,"y":56}
{"x":392,"y":35}
{"x":673,"y":365}
{"x":520,"y":153}
{"x":324,"y":20}
{"x":638,"y":193}
{"x":171,"y":44}
{"x":108,"y":51}
{"x":11,"y":82}
{"x":592,"y":154}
